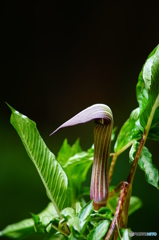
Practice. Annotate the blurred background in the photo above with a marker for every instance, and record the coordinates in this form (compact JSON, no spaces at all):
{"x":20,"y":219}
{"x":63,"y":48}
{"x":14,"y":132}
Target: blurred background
{"x":57,"y":58}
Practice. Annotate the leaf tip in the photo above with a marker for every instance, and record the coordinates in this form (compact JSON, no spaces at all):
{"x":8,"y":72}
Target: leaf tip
{"x":11,"y":108}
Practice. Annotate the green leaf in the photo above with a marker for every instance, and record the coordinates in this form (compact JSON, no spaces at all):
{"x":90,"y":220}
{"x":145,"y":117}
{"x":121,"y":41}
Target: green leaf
{"x":154,"y":133}
{"x":78,"y":207}
{"x":128,"y":132}
{"x":135,"y":204}
{"x":19,"y":230}
{"x":50,"y":171}
{"x":67,"y":151}
{"x":85,"y":215}
{"x":113,"y":133}
{"x":151,"y":81}
{"x":76,"y":167}
{"x":102,"y":214}
{"x":99,"y":231}
{"x":55,"y":236}
{"x":141,"y":89}
{"x":44,"y":224}
{"x":145,"y":163}
{"x":147,"y":91}
{"x":124,"y":234}
{"x":70,"y":217}
{"x":155,"y":120}
{"x":25,"y":228}
{"x":141,"y":92}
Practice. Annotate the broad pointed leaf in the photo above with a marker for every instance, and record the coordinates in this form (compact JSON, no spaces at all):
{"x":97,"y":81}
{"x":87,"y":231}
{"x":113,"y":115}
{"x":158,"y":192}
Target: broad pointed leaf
{"x":25,"y":228}
{"x":145,"y":163}
{"x":151,"y":81}
{"x":19,"y":230}
{"x":85,"y":215}
{"x":50,"y":171}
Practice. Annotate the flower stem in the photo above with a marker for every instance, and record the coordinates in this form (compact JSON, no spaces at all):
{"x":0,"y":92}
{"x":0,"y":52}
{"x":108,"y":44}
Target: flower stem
{"x":112,"y":165}
{"x":136,"y":159}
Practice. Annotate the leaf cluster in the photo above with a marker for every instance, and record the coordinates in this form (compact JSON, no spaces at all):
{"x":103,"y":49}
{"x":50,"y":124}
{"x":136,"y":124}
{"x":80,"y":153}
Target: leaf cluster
{"x":68,"y":216}
{"x":143,"y":120}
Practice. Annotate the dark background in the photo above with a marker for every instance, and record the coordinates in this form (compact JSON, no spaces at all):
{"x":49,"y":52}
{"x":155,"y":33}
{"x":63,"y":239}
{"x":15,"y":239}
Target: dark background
{"x":57,"y":58}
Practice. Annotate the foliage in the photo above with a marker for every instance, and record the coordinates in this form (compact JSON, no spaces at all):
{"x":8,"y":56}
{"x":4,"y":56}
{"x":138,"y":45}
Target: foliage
{"x":68,"y":215}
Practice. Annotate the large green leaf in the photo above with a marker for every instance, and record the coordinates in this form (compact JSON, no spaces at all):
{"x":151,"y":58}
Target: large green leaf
{"x":151,"y":81}
{"x":145,"y":163}
{"x":147,"y":115}
{"x":19,"y":230}
{"x":50,"y":171}
{"x":25,"y":228}
{"x":142,"y":87}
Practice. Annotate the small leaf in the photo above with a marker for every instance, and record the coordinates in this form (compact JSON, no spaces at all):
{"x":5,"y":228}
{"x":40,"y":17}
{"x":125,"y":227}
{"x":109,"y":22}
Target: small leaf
{"x":78,"y":207}
{"x":70,"y":217}
{"x":124,"y":233}
{"x":145,"y":163}
{"x":102,"y":214}
{"x":155,"y":120}
{"x":135,"y":204}
{"x":85,"y":215}
{"x":154,"y":133}
{"x":67,"y":151}
{"x":50,"y":171}
{"x":44,"y":224}
{"x":113,"y":133}
{"x":99,"y":231}
{"x":55,"y":236}
{"x":128,"y":132}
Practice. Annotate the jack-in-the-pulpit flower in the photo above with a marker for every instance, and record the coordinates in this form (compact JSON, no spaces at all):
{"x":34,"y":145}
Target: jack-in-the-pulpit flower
{"x":103,"y":117}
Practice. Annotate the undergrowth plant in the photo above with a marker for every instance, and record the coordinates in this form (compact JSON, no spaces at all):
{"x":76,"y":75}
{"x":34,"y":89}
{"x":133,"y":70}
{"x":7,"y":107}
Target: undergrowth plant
{"x":68,"y":215}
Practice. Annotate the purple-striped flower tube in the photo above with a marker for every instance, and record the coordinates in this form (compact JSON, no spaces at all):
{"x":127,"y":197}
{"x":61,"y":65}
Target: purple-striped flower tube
{"x":103,"y":117}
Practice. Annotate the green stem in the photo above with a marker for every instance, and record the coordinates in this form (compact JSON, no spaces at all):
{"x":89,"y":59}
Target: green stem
{"x":112,"y":165}
{"x":136,"y":159}
{"x":64,"y":232}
